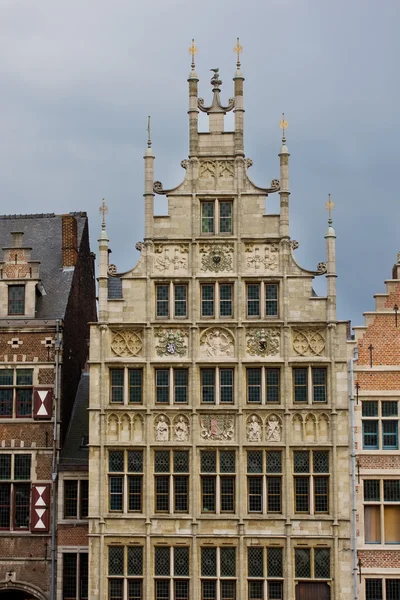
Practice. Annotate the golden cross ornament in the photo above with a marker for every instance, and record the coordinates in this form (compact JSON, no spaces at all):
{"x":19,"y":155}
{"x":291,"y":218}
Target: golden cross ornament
{"x":192,"y":50}
{"x":283,"y":124}
{"x":238,"y":49}
{"x":329,"y":205}
{"x":103,"y":210}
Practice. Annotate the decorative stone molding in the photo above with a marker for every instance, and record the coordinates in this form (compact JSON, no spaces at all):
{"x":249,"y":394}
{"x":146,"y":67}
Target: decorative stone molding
{"x":124,"y":427}
{"x":216,"y":257}
{"x":141,"y":246}
{"x":308,"y":342}
{"x":321,"y":268}
{"x":248,"y":163}
{"x":161,"y":429}
{"x":181,"y":428}
{"x":171,"y":342}
{"x":224,"y":169}
{"x":273,"y":429}
{"x":172,"y":258}
{"x":263,"y":342}
{"x":16,"y":270}
{"x":158,"y":188}
{"x":294,"y":244}
{"x":215,"y":427}
{"x":185,"y":163}
{"x":254,"y":429}
{"x":265,"y":257}
{"x":217,"y":342}
{"x":126,"y":342}
{"x":112,"y":269}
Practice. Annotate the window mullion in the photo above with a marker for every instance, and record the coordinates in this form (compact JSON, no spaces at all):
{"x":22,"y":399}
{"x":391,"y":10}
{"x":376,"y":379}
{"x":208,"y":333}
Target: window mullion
{"x":216,"y":217}
{"x":263,"y":390}
{"x":265,"y":494}
{"x":262,"y":300}
{"x":217,"y":386}
{"x":310,"y":388}
{"x":217,"y":489}
{"x":171,"y":383}
{"x":171,"y":494}
{"x":216,"y":296}
{"x":126,"y":387}
{"x":171,"y":301}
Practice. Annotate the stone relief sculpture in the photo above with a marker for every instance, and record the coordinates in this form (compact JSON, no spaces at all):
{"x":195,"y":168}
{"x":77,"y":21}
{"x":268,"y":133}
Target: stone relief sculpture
{"x":217,"y":168}
{"x":323,"y":428}
{"x":216,"y":342}
{"x":216,"y":257}
{"x":308,"y":342}
{"x":162,"y":429}
{"x":125,"y":427}
{"x":273,"y":429}
{"x":181,"y":429}
{"x":126,"y":342}
{"x":216,"y":427}
{"x":265,"y":258}
{"x":171,"y":342}
{"x":254,"y":431}
{"x":263,"y":342}
{"x":310,"y":427}
{"x":172,"y":257}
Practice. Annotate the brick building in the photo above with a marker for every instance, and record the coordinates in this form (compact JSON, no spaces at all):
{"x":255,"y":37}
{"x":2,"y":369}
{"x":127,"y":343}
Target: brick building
{"x":219,"y":451}
{"x":377,"y":396}
{"x":47,"y":298}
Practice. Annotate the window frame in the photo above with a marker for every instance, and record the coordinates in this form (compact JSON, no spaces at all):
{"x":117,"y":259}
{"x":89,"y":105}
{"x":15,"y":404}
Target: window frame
{"x":217,"y":476}
{"x":310,"y":386}
{"x":125,"y":477}
{"x":265,"y":475}
{"x":312,"y":561}
{"x":216,"y":300}
{"x":10,"y":289}
{"x":172,"y":578}
{"x":267,"y":578}
{"x":82,"y":496}
{"x":219,"y":388}
{"x":380,"y":504}
{"x":124,"y":577}
{"x":79,"y":578}
{"x":172,"y":386}
{"x":15,"y":388}
{"x":171,"y":476}
{"x":264,"y":386}
{"x":126,"y":387}
{"x":377,"y":421}
{"x":263,"y":312}
{"x":171,"y":300}
{"x":216,"y":217}
{"x":218,"y":578}
{"x":312,"y":476}
{"x":11,"y":485}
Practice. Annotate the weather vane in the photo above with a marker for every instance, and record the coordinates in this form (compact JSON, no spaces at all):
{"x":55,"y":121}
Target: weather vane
{"x":148,"y":133}
{"x":329,"y":205}
{"x":283,"y":125}
{"x":103,"y":210}
{"x":193,"y":51}
{"x":238,"y":49}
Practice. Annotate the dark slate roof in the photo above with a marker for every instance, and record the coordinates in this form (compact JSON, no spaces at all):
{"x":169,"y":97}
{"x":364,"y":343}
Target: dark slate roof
{"x":43,"y":233}
{"x":75,"y":454}
{"x":114,"y":288}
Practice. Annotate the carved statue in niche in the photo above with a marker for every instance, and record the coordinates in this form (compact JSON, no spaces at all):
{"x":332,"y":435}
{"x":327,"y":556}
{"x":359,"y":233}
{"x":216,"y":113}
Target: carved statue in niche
{"x":216,"y":342}
{"x":273,"y":429}
{"x":181,"y":430}
{"x":126,"y":343}
{"x":162,"y":430}
{"x":254,"y":429}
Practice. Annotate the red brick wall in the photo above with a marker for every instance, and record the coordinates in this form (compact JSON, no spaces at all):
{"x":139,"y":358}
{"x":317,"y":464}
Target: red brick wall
{"x":73,"y":535}
{"x":34,"y":432}
{"x":32,"y":347}
{"x":378,"y":461}
{"x":385,"y":559}
{"x":69,"y":241}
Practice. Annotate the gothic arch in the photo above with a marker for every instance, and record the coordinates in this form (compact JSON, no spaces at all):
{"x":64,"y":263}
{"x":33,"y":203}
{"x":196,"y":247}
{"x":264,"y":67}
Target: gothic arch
{"x":8,"y":587}
{"x":297,"y":428}
{"x":310,"y":427}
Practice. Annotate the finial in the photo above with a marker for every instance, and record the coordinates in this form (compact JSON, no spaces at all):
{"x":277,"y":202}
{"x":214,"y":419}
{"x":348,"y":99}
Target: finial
{"x":329,"y":205}
{"x":283,"y":125}
{"x":193,"y":51}
{"x":103,"y":210}
{"x":238,"y":49}
{"x":148,"y":133}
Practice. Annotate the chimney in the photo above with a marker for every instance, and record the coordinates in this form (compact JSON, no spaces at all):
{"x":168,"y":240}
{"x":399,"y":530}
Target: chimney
{"x":69,"y":241}
{"x":17,"y":239}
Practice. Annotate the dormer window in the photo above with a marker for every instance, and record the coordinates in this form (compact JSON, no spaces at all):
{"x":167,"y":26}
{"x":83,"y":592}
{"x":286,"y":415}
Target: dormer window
{"x":216,"y":216}
{"x":16,"y":299}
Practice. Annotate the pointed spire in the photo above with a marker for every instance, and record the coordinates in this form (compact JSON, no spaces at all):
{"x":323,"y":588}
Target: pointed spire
{"x":103,"y":210}
{"x":283,"y":125}
{"x":148,"y":132}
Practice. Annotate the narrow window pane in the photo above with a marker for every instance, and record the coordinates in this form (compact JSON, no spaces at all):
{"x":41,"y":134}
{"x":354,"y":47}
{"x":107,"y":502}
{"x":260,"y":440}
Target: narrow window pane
{"x":391,"y":490}
{"x":226,"y":386}
{"x":117,"y":385}
{"x":390,"y":435}
{"x":372,"y":490}
{"x":116,"y":493}
{"x":207,"y":300}
{"x":392,"y":589}
{"x":256,"y":590}
{"x":22,"y":466}
{"x":70,"y":499}
{"x":116,"y":461}
{"x":254,"y":462}
{"x":322,"y":563}
{"x":389,"y":408}
{"x":84,"y":502}
{"x":208,"y":486}
{"x":135,"y":560}
{"x":373,"y":589}
{"x":255,"y":562}
{"x":274,"y":461}
{"x":135,"y":386}
{"x":162,"y":300}
{"x":209,"y":562}
{"x":275,"y":590}
{"x":274,"y":494}
{"x":255,"y":488}
{"x":180,"y":386}
{"x":5,"y":505}
{"x":135,"y":461}
{"x":6,"y":377}
{"x":369,"y":409}
{"x":24,"y":377}
{"x":22,"y":493}
{"x":181,"y":562}
{"x":6,"y":402}
{"x":370,"y":435}
{"x":227,"y":461}
{"x":321,"y":461}
{"x":207,"y":217}
{"x":372,"y":524}
{"x":319,"y":385}
{"x":161,"y":461}
{"x":321,"y":494}
{"x":208,"y":386}
{"x":302,"y":486}
{"x":300,"y":382}
{"x":225,"y":300}
{"x":135,"y":483}
{"x":301,"y":461}
{"x":208,"y":461}
{"x":162,"y":590}
{"x":24,"y":403}
{"x":181,"y":493}
{"x":302,"y":563}
{"x":115,"y":560}
{"x":181,"y":589}
{"x":392,"y":524}
{"x":115,"y":589}
{"x":181,"y":461}
{"x":162,"y":386}
{"x":135,"y":589}
{"x":275,"y":562}
{"x":271,"y":299}
{"x":253,"y":299}
{"x":227,"y":494}
{"x":5,"y":466}
{"x":69,"y":576}
{"x":162,"y":561}
{"x":272,"y":385}
{"x":228,"y":562}
{"x":208,"y":590}
{"x":254,"y":385}
{"x":180,"y":300}
{"x":84,"y":576}
{"x":225,"y":217}
{"x":162,"y":493}
{"x":16,"y":299}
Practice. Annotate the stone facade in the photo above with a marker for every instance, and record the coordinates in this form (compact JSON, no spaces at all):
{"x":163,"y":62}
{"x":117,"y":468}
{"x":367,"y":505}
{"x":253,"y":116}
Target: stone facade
{"x":219,"y":450}
{"x":377,"y":395}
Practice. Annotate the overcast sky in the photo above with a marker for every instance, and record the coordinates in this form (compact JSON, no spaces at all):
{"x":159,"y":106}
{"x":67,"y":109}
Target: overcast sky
{"x":79,"y":77}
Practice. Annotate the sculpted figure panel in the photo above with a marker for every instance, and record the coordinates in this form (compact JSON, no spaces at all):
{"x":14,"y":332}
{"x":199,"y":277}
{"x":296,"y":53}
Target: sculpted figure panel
{"x":172,"y":342}
{"x":274,"y":429}
{"x":254,"y":429}
{"x":217,"y":427}
{"x":181,"y":429}
{"x":161,"y":429}
{"x":170,"y":258}
{"x":216,"y":257}
{"x":263,"y":342}
{"x":216,"y":342}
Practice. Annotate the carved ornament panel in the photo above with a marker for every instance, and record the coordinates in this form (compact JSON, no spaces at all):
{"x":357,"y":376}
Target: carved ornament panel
{"x":224,"y":169}
{"x":126,"y":342}
{"x":308,"y":341}
{"x":217,"y":342}
{"x":263,"y":342}
{"x":217,"y":427}
{"x":216,"y":257}
{"x":170,"y":258}
{"x":171,"y":342}
{"x":262,"y":257}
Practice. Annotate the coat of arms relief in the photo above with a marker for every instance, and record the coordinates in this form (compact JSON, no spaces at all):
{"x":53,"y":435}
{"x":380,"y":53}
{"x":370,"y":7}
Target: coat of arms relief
{"x":170,"y":258}
{"x":171,"y":342}
{"x":217,"y":427}
{"x":262,"y":258}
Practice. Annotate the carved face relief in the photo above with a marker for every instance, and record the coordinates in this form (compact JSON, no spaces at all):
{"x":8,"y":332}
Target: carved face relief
{"x":126,"y":343}
{"x":263,"y":342}
{"x":216,"y":342}
{"x":308,"y":342}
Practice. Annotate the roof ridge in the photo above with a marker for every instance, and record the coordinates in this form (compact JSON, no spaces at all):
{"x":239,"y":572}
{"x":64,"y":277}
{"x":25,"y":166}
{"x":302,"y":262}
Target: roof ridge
{"x":43,"y":215}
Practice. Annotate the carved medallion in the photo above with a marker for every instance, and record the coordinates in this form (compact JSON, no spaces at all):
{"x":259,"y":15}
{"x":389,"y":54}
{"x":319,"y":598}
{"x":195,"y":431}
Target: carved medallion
{"x":308,"y":342}
{"x":126,"y":342}
{"x":171,"y":257}
{"x":217,"y":427}
{"x":216,"y":257}
{"x":263,"y":342}
{"x":171,"y":342}
{"x":264,"y":257}
{"x":216,"y":342}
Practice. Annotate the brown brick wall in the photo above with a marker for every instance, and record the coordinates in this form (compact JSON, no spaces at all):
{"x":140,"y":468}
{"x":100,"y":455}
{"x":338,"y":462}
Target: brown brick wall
{"x":381,"y":559}
{"x":29,"y":433}
{"x":46,"y":376}
{"x":31,"y":349}
{"x":69,"y":241}
{"x":379,"y":462}
{"x":43,"y":466}
{"x":73,"y":535}
{"x":379,"y":381}
{"x":27,"y":546}
{"x":36,"y":573}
